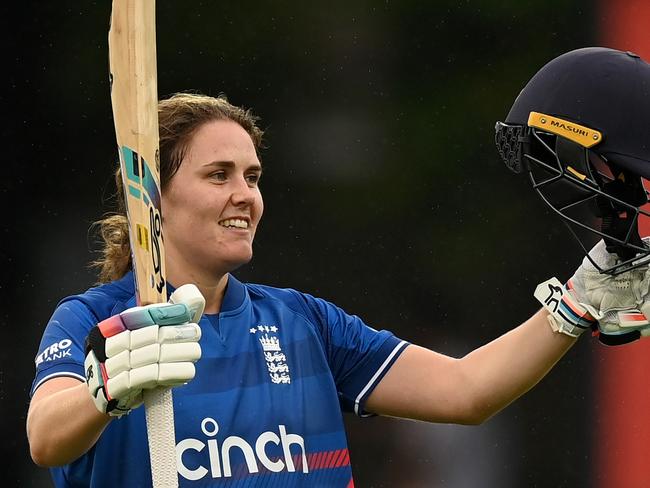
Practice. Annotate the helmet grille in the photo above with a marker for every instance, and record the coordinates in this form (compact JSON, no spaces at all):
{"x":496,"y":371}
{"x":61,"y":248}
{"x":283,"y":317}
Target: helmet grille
{"x":507,"y":139}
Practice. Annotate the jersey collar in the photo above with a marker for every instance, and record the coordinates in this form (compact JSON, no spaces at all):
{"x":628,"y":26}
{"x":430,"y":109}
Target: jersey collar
{"x":233,"y":298}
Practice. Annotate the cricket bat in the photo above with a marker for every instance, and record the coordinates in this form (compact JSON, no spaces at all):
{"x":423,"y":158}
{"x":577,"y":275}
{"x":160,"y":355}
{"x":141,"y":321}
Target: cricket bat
{"x":134,"y":97}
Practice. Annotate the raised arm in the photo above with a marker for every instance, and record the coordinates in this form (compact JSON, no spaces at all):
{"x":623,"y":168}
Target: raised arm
{"x":426,"y":385}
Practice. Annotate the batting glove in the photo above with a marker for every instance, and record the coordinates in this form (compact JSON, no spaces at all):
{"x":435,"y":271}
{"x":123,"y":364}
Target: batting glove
{"x":616,"y":307}
{"x":141,"y":348}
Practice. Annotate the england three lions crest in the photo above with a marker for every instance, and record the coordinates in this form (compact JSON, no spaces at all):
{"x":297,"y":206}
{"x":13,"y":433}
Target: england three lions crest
{"x":276,"y":361}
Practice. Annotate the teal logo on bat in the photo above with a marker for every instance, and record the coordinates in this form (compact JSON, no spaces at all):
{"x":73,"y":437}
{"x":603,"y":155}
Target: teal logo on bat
{"x":141,"y":184}
{"x":140,"y":177}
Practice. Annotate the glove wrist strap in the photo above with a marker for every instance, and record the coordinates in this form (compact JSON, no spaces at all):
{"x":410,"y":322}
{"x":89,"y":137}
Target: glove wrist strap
{"x":566,"y":315}
{"x":561,"y":327}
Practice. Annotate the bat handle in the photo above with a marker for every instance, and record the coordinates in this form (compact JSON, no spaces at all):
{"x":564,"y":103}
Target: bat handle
{"x":159,"y":408}
{"x":159,"y":411}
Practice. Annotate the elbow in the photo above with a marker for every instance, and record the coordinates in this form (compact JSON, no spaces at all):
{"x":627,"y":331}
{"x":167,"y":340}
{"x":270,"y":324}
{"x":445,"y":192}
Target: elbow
{"x":476,"y":416}
{"x":46,"y":456}
{"x":37,"y":445}
{"x":42,"y":454}
{"x":39,"y":452}
{"x":475,"y":405}
{"x":469,"y":413}
{"x":478,"y":409}
{"x":462,"y":409}
{"x":44,"y":451}
{"x":48,"y":451}
{"x":39,"y":456}
{"x":37,"y":449}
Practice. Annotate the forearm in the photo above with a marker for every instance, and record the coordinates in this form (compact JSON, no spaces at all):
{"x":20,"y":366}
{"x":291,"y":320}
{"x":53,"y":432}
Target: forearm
{"x":504,"y":369}
{"x":426,"y":385}
{"x":63,"y":425}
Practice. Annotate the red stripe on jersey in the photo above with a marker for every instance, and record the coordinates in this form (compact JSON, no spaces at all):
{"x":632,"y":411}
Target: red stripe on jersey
{"x":331,"y":456}
{"x":321,"y":459}
{"x":336,"y":459}
{"x":324,"y":459}
{"x":341,"y":458}
{"x":296,"y":459}
{"x":311,"y":457}
{"x":318,"y":459}
{"x":346,"y":461}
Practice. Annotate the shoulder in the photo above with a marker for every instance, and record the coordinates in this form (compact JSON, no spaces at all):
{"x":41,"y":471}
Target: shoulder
{"x":258,"y":291}
{"x":102,"y":301}
{"x":325,"y":316}
{"x":299,"y":302}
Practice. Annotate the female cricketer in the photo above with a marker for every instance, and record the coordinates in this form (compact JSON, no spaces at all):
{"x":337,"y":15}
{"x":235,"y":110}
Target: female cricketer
{"x":262,"y":377}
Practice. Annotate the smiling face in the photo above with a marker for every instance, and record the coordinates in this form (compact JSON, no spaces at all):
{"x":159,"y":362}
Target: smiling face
{"x":212,"y":205}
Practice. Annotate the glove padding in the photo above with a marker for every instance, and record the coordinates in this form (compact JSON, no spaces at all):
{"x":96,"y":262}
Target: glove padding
{"x":619,"y":303}
{"x":616,"y":306}
{"x":143,"y":347}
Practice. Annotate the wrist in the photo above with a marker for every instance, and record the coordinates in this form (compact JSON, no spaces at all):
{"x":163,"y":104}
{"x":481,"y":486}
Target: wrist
{"x":564,"y":328}
{"x":565,"y":314}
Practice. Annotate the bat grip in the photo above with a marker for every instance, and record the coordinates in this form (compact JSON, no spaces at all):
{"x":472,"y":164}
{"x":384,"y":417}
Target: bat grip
{"x":159,"y":411}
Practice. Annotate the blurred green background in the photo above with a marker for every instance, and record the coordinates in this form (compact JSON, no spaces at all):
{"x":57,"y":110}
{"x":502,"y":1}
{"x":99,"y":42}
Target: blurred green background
{"x":384,"y":193}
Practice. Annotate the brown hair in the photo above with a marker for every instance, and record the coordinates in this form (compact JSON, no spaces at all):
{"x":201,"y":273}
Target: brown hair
{"x":179,"y":117}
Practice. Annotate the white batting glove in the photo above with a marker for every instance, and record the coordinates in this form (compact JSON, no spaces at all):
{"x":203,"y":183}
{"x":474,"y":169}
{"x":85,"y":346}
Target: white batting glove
{"x":618,"y":305}
{"x":141,"y":348}
{"x":567,"y":314}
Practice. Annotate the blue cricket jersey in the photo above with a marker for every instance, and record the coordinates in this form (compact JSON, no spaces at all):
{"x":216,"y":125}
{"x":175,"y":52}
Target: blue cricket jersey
{"x":264,"y":409}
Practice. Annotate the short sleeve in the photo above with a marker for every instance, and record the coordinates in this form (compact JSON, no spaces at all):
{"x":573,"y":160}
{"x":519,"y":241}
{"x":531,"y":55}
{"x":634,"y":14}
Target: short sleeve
{"x":61,"y":351}
{"x":358,"y":355}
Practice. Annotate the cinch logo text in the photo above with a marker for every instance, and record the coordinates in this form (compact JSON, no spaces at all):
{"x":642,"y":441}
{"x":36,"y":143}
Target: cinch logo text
{"x":219,"y":456}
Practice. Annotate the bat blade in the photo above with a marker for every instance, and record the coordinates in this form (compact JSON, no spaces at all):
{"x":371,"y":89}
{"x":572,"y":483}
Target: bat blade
{"x":134,"y":97}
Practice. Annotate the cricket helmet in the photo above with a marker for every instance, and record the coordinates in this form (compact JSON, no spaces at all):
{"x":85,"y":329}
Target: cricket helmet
{"x":580,"y":129}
